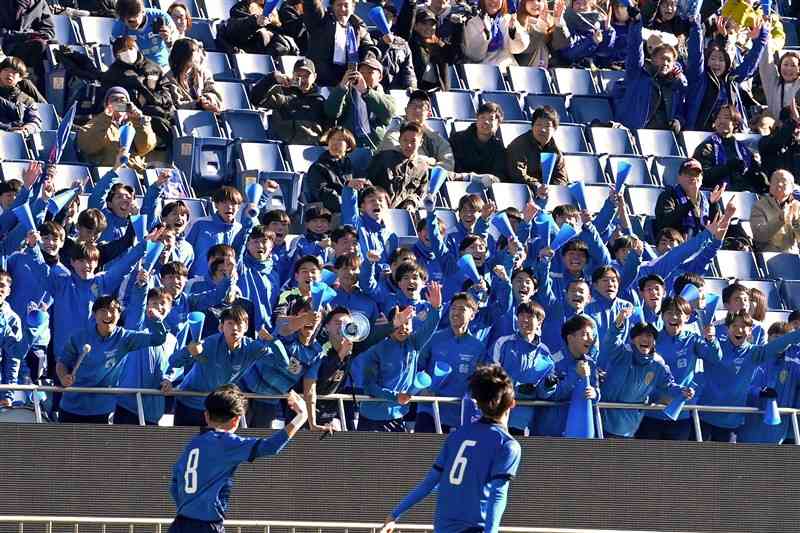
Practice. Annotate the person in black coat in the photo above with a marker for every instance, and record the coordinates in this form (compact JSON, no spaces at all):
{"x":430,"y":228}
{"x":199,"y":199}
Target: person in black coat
{"x":331,"y":172}
{"x":145,"y":82}
{"x":781,"y":149}
{"x":478,"y":148}
{"x":395,"y":54}
{"x":18,"y":111}
{"x":250,"y":31}
{"x":26,"y":26}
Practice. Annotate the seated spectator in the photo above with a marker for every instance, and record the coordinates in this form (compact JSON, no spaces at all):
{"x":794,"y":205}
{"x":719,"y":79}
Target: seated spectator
{"x":401,"y":172}
{"x":591,"y":34}
{"x":250,"y":31}
{"x":327,"y":48}
{"x":153,"y":29}
{"x":298,"y":107}
{"x":181,"y":18}
{"x":99,"y":8}
{"x":546,"y":31}
{"x":654,"y":91}
{"x":523,"y":162}
{"x":775,"y":219}
{"x":763,"y":124}
{"x":27,"y":27}
{"x":145,"y":82}
{"x":493,"y":36}
{"x":780,"y":149}
{"x":99,"y":139}
{"x":431,"y":53}
{"x":17,"y":110}
{"x":190,"y":83}
{"x":434,"y":147}
{"x":663,"y":16}
{"x":395,"y":54}
{"x":450,"y":17}
{"x":682,"y":206}
{"x":726,"y":160}
{"x":27,"y":86}
{"x":780,"y":84}
{"x":478,"y":148}
{"x":360,"y":97}
{"x":712,"y":81}
{"x":330,"y":173}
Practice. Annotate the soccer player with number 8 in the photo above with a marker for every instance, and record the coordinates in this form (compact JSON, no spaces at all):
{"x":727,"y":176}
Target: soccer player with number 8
{"x":203,"y":476}
{"x":475,"y":464}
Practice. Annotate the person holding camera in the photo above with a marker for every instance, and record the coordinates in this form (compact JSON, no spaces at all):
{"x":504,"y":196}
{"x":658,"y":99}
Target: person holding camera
{"x":250,"y":30}
{"x":153,"y":29}
{"x":99,"y":140}
{"x":298,"y":107}
{"x":190,"y":83}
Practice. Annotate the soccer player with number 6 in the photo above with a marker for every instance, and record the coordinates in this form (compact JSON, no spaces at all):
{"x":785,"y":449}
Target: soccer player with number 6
{"x":475,"y":464}
{"x":203,"y":476}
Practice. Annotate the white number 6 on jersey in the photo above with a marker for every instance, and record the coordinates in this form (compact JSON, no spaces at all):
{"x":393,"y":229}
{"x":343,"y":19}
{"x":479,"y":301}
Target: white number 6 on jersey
{"x":190,"y":476}
{"x":460,"y":463}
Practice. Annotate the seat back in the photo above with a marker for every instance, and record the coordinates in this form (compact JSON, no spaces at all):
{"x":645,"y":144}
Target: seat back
{"x":234,"y":95}
{"x":574,"y":81}
{"x":482,"y":76}
{"x":454,"y":104}
{"x":615,"y":141}
{"x":658,"y":142}
{"x":301,"y":157}
{"x":197,"y":123}
{"x":530,"y":80}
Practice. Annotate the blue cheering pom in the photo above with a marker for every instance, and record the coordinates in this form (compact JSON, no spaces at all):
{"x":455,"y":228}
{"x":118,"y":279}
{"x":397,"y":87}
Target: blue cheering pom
{"x":139,"y":223}
{"x":253,"y":193}
{"x":321,"y":294}
{"x":270,"y":6}
{"x":548,"y":162}
{"x":623,"y":170}
{"x":62,"y":135}
{"x":126,"y":135}
{"x":151,"y":254}
{"x":24,"y":216}
{"x":440,"y":371}
{"x":351,"y":46}
{"x":690,"y":293}
{"x":60,"y":201}
{"x":438,"y":176}
{"x":466,"y":265}
{"x":580,"y":415}
{"x":328,"y":276}
{"x":196,"y":321}
{"x":565,"y":234}
{"x":422,"y":380}
{"x":503,"y":225}
{"x":37,"y":318}
{"x":771,"y":415}
{"x":378,"y":17}
{"x":578,"y":191}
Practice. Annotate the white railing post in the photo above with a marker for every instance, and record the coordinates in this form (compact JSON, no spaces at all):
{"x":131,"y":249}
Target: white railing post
{"x":140,"y":409}
{"x":342,"y":414}
{"x":437,"y":420}
{"x":37,"y":406}
{"x":598,"y":422}
{"x":795,"y":428}
{"x":698,"y":430}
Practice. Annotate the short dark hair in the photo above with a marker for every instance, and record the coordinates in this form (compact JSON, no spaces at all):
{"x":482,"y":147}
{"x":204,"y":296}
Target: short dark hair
{"x":348,"y":137}
{"x":172,"y":206}
{"x":399,"y":253}
{"x":779,"y":328}
{"x":644,"y":328}
{"x":174,"y":268}
{"x":793,"y":316}
{"x":530,"y":308}
{"x":116,"y":188}
{"x":235,"y":313}
{"x":575,"y":324}
{"x":464,"y":296}
{"x":576,"y":245}
{"x":347,"y":260}
{"x":129,"y":8}
{"x":731,"y":290}
{"x":370,"y":191}
{"x":105,"y":302}
{"x":565,"y":210}
{"x":86,"y":251}
{"x":225,"y":403}
{"x":546,"y":112}
{"x":226,"y":193}
{"x":469,"y":240}
{"x":671,"y":234}
{"x":275,"y":215}
{"x":343,"y":231}
{"x":157,"y":293}
{"x":261,"y":232}
{"x":620,"y":243}
{"x":599,"y":272}
{"x":741,"y":314}
{"x":490,"y":107}
{"x":181,"y":5}
{"x":52,"y":228}
{"x":492,"y":389}
{"x":470,"y":200}
{"x":412,"y":127}
{"x":12,"y":185}
{"x":306,"y":259}
{"x":651,"y":277}
{"x":410,"y":268}
{"x":676,"y":303}
{"x":93,"y":220}
{"x":688,"y":278}
{"x":220,"y":250}
{"x":16,"y":64}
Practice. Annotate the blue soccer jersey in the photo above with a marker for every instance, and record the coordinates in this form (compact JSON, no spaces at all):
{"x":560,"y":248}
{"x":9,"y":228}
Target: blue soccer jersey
{"x":203,"y":476}
{"x":472,"y":471}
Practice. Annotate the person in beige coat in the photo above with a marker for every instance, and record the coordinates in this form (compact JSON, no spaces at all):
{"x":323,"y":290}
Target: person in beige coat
{"x":775,"y":219}
{"x":493,"y":36}
{"x":99,"y":138}
{"x":190,"y":83}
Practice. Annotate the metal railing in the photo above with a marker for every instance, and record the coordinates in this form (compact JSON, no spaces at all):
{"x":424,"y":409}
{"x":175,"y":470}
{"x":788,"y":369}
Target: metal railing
{"x":695,"y":410}
{"x":160,"y":525}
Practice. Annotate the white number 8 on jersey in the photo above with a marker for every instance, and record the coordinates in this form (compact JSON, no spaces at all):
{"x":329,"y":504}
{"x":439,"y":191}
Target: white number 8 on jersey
{"x":190,"y":476}
{"x":460,"y":463}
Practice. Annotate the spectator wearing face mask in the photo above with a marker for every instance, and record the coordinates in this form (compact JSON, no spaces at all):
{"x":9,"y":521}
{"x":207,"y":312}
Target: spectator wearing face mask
{"x":146,"y":84}
{"x":99,"y":139}
{"x":190,"y":83}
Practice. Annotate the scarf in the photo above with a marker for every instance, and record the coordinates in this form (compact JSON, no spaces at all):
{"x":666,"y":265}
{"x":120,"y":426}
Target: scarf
{"x":692,"y":222}
{"x":495,"y":34}
{"x":361,"y":127}
{"x":721,"y":156}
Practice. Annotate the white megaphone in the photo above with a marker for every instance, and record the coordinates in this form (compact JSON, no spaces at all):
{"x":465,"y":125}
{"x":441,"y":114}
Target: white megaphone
{"x":356,"y":328}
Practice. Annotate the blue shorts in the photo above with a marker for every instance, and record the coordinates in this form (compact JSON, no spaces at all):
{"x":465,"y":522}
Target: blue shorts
{"x":181,"y":524}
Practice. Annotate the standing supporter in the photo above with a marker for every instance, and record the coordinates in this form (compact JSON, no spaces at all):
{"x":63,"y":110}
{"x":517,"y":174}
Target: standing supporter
{"x":775,"y":218}
{"x":306,"y":271}
{"x":433,"y":147}
{"x":479,"y":149}
{"x":728,"y":161}
{"x":423,"y":250}
{"x":329,"y":174}
{"x":219,"y":359}
{"x":327,"y":43}
{"x":780,"y":82}
{"x":547,"y":31}
{"x":619,"y":16}
{"x":359,"y":103}
{"x":258,"y":279}
{"x":181,"y":18}
{"x":277,"y":221}
{"x":220,"y":228}
{"x":27,"y":27}
{"x":316,"y":240}
{"x":189,"y":81}
{"x":528,"y":363}
{"x":373,"y":235}
{"x":15,"y":339}
{"x":493,"y":36}
{"x":390,"y":367}
{"x":174,"y":215}
{"x":728,"y":380}
{"x":473,"y":218}
{"x":147,"y":367}
{"x":99,"y":139}
{"x":682,"y":206}
{"x":395,"y":54}
{"x":402,"y":172}
{"x":115,"y":201}
{"x":99,"y":366}
{"x":380,"y":285}
{"x":685,"y":353}
{"x":348,"y":292}
{"x":298,"y":107}
{"x":147,"y":86}
{"x":714,"y":81}
{"x":634,"y":372}
{"x":606,"y":305}
{"x":654,"y":91}
{"x":174,"y":276}
{"x":250,"y":31}
{"x":523,"y":162}
{"x":591,"y":34}
{"x":153,"y":29}
{"x":457,"y":347}
{"x":736,"y":297}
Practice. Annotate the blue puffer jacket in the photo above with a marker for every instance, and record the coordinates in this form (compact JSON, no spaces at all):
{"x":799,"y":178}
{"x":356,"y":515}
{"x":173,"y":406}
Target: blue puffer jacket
{"x":632,"y":108}
{"x":698,"y":111}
